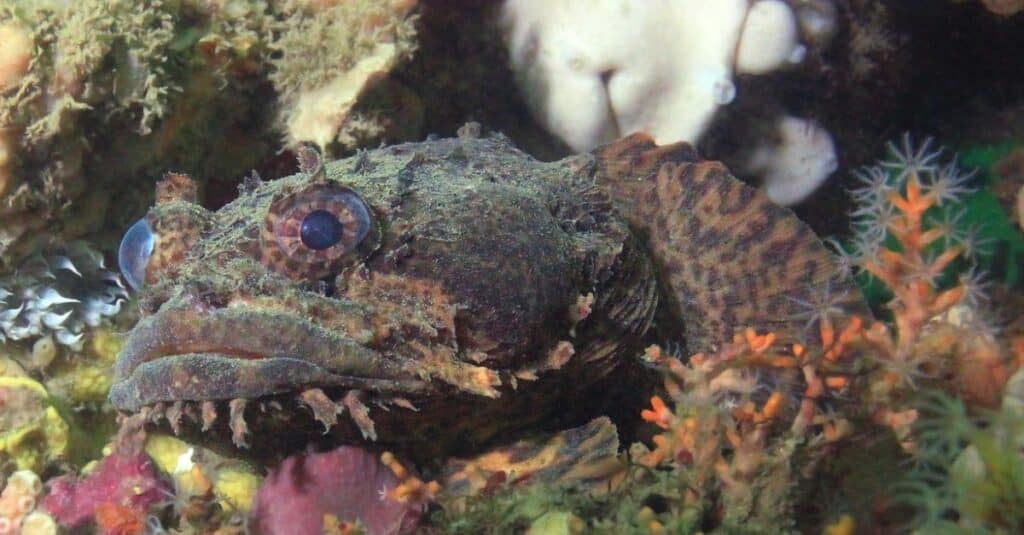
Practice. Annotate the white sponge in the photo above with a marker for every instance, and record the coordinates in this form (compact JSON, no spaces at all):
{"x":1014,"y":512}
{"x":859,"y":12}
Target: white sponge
{"x":801,"y":158}
{"x":770,"y":38}
{"x":594,"y":70}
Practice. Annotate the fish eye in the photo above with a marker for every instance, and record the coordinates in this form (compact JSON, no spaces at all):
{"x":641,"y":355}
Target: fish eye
{"x":135,"y":251}
{"x":320,"y":229}
{"x":309,"y":234}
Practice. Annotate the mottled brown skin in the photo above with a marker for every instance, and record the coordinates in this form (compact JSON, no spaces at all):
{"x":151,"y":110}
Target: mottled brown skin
{"x":492,"y":293}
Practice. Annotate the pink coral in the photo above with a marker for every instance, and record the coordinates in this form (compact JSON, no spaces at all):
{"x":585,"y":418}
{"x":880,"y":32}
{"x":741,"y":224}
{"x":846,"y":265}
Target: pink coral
{"x":346,"y":485}
{"x":128,"y":481}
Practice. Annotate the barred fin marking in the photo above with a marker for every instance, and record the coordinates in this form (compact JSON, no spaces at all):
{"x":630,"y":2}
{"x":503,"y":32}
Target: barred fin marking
{"x":732,"y":258}
{"x":586,"y":455}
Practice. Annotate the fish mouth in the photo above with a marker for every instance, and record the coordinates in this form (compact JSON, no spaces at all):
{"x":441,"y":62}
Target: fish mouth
{"x":184,"y":354}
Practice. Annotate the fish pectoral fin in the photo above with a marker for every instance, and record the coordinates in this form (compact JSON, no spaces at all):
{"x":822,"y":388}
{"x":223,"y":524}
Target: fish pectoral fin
{"x":730,"y":257}
{"x":586,"y":456}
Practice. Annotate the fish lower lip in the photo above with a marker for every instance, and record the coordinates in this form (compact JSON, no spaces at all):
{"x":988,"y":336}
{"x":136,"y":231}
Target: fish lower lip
{"x":213,"y":376}
{"x":189,"y":355}
{"x":218,"y":376}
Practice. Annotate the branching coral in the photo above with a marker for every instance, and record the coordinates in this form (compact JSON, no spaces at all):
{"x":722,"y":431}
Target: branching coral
{"x":744,"y":423}
{"x":908,"y":237}
{"x":739,"y":414}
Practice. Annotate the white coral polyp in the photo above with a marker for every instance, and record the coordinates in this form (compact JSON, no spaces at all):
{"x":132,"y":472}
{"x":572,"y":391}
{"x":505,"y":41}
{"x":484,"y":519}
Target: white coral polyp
{"x":59,"y":293}
{"x":594,"y":70}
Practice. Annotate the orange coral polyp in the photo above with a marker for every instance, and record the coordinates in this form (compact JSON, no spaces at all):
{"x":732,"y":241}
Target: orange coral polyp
{"x":930,"y":236}
{"x":836,"y":382}
{"x":659,"y":414}
{"x":947,"y":257}
{"x":410,"y":487}
{"x":848,"y":336}
{"x":914,"y":204}
{"x":783,"y":362}
{"x":827,"y":333}
{"x":758,"y":342}
{"x":773,"y":407}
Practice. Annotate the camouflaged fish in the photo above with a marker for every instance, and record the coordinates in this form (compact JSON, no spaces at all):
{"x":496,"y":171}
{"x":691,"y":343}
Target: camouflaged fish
{"x":436,"y":296}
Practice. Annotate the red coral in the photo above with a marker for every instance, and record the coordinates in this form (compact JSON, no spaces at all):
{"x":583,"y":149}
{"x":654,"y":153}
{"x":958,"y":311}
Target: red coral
{"x":346,"y":484}
{"x":120,"y":482}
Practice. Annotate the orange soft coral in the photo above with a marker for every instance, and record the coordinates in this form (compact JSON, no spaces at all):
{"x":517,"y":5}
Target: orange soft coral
{"x":733,"y":419}
{"x":901,"y":241}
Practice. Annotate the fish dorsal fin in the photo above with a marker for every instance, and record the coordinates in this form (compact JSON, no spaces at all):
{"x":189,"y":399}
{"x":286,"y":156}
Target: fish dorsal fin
{"x":731,"y":258}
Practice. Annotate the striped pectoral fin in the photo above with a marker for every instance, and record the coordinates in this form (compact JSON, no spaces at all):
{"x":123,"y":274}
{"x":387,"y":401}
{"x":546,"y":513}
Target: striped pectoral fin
{"x":732,"y":259}
{"x":584,"y":456}
{"x":637,"y":157}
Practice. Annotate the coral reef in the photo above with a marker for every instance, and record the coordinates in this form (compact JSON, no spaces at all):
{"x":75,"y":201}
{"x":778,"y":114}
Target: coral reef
{"x":83,"y":378}
{"x":60,"y":311}
{"x":57,"y":409}
{"x":347,"y":484}
{"x":925,"y":257}
{"x":742,"y":426}
{"x":329,"y":53}
{"x":760,"y":436}
{"x":65,"y":83}
{"x":32,"y":431}
{"x":122,"y":488}
{"x":98,"y":98}
{"x":209,"y":489}
{"x":18,"y":503}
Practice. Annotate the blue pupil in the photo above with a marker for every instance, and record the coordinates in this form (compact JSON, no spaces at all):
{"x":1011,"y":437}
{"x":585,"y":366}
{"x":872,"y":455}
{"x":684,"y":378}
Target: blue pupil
{"x":320,"y":230}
